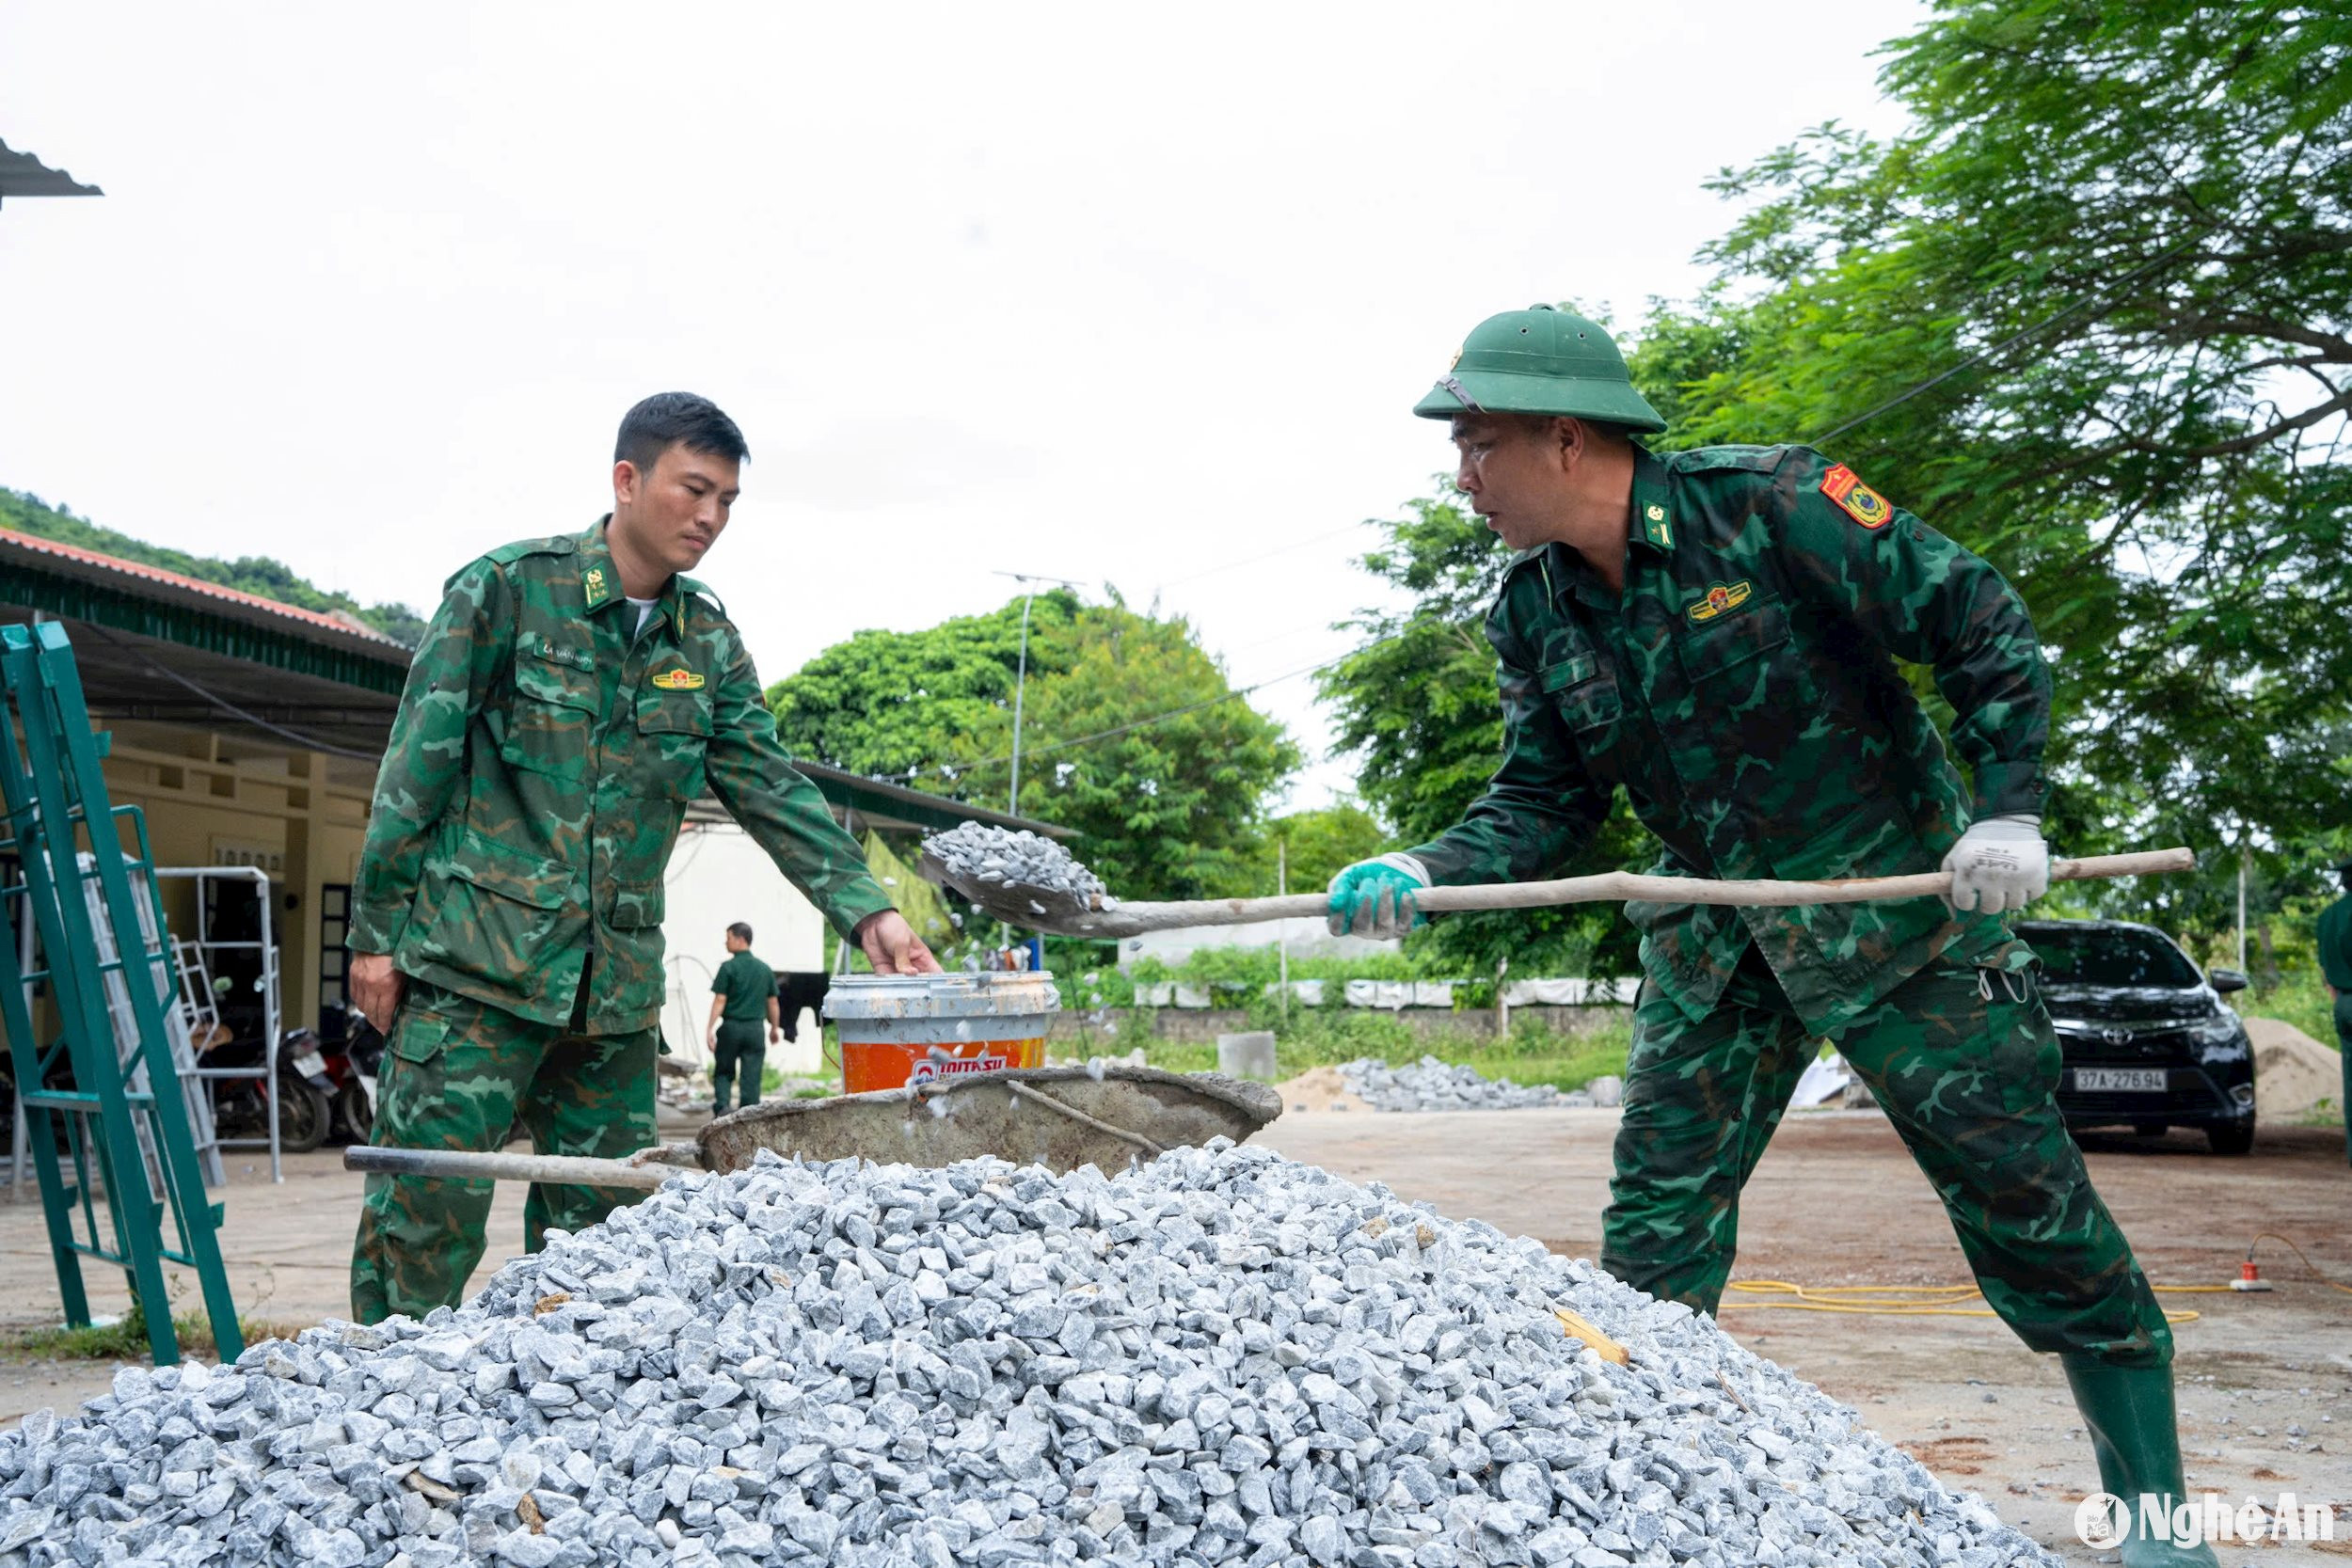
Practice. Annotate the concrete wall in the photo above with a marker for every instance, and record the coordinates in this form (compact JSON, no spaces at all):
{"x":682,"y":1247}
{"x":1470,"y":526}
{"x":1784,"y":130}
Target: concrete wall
{"x":1202,"y":1025}
{"x":1307,"y":938}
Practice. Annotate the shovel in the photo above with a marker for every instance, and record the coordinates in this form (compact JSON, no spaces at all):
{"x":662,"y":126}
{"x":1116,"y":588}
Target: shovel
{"x":1061,"y":1117}
{"x":1066,"y":914}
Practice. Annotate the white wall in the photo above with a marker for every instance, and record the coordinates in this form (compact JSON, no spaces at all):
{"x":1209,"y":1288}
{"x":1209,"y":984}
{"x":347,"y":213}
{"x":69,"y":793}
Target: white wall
{"x":717,"y":877}
{"x":1308,"y":937}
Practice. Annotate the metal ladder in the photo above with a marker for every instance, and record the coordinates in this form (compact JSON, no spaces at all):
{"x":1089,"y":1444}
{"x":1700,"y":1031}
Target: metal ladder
{"x":126,"y":1123}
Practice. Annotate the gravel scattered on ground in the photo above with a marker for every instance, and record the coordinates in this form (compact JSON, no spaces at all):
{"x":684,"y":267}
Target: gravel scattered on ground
{"x":977,"y":852}
{"x":1430,"y":1084}
{"x":1222,"y":1357}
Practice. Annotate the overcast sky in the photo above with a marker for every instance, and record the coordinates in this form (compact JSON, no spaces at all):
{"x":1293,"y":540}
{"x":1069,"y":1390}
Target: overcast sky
{"x":1111,"y":293}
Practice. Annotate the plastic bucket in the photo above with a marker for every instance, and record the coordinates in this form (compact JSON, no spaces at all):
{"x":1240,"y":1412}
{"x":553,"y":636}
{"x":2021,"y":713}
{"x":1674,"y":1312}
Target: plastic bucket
{"x":898,"y":1029}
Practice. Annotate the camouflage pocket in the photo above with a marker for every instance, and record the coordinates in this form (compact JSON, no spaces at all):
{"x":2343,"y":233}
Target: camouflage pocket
{"x":637,"y":906}
{"x":421,"y":1037}
{"x":493,"y":912}
{"x":552,"y":715}
{"x":673,"y":744}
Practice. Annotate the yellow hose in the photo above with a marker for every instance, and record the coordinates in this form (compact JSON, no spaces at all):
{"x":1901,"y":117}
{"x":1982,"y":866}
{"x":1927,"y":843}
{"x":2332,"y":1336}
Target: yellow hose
{"x":1875,"y":1299}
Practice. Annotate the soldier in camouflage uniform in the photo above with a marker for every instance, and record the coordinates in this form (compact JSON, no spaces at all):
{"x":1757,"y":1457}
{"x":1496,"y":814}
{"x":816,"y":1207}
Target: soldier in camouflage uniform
{"x":1716,"y":632}
{"x":570,"y":698}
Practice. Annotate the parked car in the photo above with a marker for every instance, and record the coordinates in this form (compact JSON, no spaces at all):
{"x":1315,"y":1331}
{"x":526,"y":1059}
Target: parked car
{"x":2148,"y":1043}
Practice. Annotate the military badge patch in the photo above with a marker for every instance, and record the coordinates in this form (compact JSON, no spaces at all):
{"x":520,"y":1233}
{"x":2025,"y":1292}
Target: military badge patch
{"x":1862,"y":503}
{"x":678,"y":680}
{"x":1719,"y":598}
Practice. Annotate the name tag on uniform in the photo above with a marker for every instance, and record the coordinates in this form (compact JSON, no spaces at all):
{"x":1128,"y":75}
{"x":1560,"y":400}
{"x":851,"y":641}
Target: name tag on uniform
{"x":678,"y":680}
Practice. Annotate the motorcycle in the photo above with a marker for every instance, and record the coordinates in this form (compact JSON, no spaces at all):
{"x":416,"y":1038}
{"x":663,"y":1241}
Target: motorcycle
{"x":305,"y":1092}
{"x":352,"y":1068}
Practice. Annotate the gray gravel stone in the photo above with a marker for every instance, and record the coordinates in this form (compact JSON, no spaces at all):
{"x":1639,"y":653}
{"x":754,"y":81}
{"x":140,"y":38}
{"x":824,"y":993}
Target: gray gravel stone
{"x":1430,"y":1084}
{"x":1219,"y":1358}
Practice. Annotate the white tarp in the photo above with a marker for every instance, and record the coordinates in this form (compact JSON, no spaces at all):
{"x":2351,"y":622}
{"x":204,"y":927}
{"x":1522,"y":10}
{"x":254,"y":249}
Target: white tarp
{"x":1569,"y":993}
{"x":1823,"y":1081}
{"x":1307,"y":994}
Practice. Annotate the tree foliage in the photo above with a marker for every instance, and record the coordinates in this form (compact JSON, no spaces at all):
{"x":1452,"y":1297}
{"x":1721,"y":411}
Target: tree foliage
{"x":258,"y":575}
{"x":2140,"y":216}
{"x":1416,"y":706}
{"x":1305,"y":850}
{"x":900,"y":705}
{"x":1130,"y":734}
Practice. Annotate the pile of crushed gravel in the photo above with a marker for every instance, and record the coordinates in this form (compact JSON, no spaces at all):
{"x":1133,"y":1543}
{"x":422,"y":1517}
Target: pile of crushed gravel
{"x":974,"y":851}
{"x":1222,"y":1357}
{"x":1430,"y":1084}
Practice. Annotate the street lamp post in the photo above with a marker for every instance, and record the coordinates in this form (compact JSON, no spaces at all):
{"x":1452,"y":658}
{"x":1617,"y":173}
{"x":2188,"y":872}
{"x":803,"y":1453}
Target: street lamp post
{"x":1021,"y":672}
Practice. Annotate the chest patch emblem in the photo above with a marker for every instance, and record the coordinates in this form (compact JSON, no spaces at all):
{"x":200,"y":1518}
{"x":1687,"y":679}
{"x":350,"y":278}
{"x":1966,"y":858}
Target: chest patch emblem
{"x":1720,"y":599}
{"x":678,"y":680}
{"x":1862,"y":503}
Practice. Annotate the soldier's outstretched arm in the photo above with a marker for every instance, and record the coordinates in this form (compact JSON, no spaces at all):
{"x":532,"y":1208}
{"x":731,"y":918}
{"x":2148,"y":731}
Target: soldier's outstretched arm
{"x":1925,"y":600}
{"x":1540,"y":809}
{"x":464,"y":645}
{"x":776,"y":804}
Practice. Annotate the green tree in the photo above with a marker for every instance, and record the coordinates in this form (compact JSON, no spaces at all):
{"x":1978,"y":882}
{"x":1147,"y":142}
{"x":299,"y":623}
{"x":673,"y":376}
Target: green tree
{"x":899,"y":704}
{"x":1139,"y":745}
{"x":1416,"y":706}
{"x":1130,"y":734}
{"x":1314,"y":844}
{"x":2122,"y":235}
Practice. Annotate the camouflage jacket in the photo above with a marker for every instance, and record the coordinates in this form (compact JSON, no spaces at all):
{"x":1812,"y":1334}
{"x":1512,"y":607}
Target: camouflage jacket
{"x":2335,"y":944}
{"x":539,"y":767}
{"x":1744,"y":692}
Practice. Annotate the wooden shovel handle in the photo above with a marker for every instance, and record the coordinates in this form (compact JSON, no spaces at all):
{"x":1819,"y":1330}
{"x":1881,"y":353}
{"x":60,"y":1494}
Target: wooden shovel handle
{"x":450,"y":1165}
{"x":1614,"y":886}
{"x":1618,"y":886}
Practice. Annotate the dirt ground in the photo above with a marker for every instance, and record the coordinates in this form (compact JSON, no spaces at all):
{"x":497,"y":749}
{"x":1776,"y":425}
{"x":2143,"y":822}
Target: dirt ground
{"x":2263,"y":1378}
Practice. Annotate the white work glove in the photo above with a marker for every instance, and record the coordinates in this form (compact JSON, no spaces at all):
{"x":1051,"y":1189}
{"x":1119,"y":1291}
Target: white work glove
{"x":2000,"y":863}
{"x":1375,"y":897}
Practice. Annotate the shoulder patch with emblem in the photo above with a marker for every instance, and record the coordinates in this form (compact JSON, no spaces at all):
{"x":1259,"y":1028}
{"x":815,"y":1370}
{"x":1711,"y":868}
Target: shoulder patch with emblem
{"x":1860,"y":502}
{"x":678,"y":680}
{"x":1719,"y":598}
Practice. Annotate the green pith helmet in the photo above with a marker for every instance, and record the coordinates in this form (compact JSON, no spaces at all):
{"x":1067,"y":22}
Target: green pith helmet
{"x":1539,"y":361}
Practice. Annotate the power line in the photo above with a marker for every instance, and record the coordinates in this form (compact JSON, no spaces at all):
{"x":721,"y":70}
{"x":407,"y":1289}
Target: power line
{"x":1233,"y":695}
{"x":2011,"y":340}
{"x":1252,"y":561}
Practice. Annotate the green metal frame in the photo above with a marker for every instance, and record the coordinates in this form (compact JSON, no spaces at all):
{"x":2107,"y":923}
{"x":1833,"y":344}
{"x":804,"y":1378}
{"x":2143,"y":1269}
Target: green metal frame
{"x":56,"y":797}
{"x":74,"y":599}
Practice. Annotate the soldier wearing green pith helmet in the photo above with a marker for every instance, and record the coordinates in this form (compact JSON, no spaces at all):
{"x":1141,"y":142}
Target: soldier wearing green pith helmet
{"x":1717,"y":633}
{"x":2335,"y":968}
{"x":570,"y":698}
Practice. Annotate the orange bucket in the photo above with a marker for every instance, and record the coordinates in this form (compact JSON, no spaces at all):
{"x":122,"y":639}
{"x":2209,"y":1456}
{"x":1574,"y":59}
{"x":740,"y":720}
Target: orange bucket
{"x":898,"y":1029}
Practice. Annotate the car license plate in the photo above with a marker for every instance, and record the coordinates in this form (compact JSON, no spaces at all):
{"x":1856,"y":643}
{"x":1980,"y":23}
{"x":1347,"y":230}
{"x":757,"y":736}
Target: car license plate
{"x":309,"y":1062}
{"x":2127,"y":1079}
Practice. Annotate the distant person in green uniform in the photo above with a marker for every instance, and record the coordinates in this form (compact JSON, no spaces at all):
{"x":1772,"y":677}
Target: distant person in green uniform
{"x":743,"y":997}
{"x":2335,"y":967}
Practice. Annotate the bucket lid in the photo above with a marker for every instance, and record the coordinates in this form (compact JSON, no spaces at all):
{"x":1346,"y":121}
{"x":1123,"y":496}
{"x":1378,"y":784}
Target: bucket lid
{"x":994,"y":993}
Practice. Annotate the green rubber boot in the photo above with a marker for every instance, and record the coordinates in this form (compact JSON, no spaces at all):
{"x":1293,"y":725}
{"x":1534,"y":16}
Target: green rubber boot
{"x":2136,"y":1434}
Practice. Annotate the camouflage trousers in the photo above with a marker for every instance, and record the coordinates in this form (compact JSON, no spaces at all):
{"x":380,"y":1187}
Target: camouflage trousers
{"x":739,"y":1046}
{"x":1965,"y":1064}
{"x":457,"y":1074}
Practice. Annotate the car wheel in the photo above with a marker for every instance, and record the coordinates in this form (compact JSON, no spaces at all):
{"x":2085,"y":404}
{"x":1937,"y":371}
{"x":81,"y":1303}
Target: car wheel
{"x":2151,"y":1129}
{"x":2231,"y":1137}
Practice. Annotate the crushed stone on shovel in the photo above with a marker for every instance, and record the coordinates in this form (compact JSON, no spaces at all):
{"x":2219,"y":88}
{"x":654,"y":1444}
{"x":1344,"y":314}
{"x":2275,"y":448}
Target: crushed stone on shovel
{"x":974,"y":851}
{"x":1221,"y":1357}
